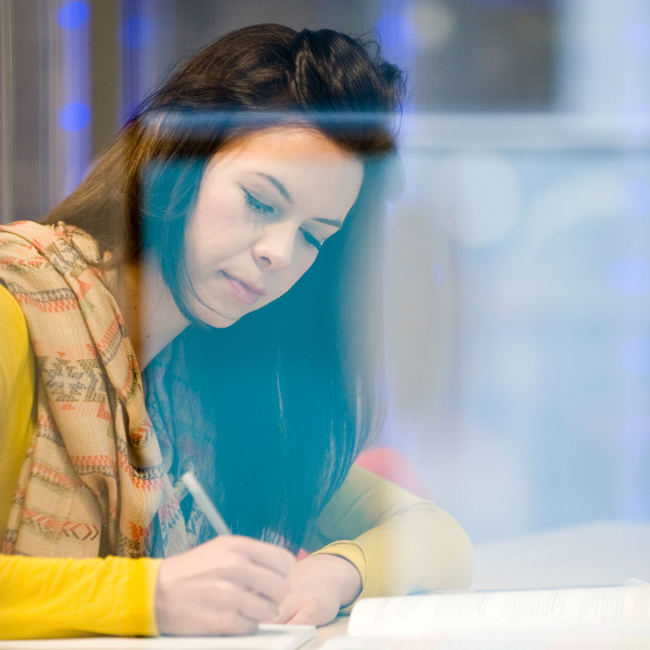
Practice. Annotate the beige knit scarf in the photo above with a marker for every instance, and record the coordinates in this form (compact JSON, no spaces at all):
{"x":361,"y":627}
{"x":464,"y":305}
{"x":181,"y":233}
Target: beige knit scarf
{"x":93,"y":478}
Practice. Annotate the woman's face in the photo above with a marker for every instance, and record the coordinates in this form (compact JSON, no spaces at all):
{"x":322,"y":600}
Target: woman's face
{"x":266,"y":203}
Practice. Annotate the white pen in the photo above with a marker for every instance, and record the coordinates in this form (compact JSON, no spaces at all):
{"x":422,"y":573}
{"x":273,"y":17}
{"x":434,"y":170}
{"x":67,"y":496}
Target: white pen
{"x":205,"y":504}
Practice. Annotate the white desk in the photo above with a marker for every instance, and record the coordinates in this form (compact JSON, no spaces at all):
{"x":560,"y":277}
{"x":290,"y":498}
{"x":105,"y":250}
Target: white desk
{"x":338,"y":627}
{"x":586,"y":555}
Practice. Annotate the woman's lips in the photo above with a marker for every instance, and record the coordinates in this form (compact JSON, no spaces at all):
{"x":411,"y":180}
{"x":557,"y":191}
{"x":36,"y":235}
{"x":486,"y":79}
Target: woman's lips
{"x":242,"y":291}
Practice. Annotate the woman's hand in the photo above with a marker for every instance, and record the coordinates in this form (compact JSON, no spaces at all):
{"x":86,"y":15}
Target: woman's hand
{"x":319,"y":586}
{"x":225,"y":586}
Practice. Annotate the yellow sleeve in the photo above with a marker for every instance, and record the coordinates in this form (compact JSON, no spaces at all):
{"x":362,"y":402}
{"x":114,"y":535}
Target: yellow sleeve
{"x":57,"y":597}
{"x":398,"y":542}
{"x":16,"y":398}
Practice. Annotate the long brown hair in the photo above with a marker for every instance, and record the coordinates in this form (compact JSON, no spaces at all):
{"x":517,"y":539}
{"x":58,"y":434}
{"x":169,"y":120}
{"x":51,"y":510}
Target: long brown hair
{"x":253,"y":77}
{"x":313,"y":364}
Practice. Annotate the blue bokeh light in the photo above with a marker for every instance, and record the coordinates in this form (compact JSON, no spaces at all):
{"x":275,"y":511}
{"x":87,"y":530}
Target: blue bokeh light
{"x":74,"y":116}
{"x":73,"y":14}
{"x":637,"y":39}
{"x":635,"y":355}
{"x":632,"y":276}
{"x":137,"y":32}
{"x":397,"y":36}
{"x":511,"y":4}
{"x":636,"y":197}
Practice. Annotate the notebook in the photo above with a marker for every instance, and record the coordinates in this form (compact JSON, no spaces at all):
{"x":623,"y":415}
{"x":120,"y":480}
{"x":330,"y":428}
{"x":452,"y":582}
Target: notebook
{"x":268,"y":637}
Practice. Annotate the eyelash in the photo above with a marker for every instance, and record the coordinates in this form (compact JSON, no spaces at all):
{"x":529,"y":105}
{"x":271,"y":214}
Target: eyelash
{"x":311,"y":240}
{"x":266,"y":210}
{"x":258,"y":206}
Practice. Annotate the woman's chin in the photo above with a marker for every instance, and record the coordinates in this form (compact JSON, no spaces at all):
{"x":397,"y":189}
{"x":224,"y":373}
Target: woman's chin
{"x":220,"y":321}
{"x":213,"y":317}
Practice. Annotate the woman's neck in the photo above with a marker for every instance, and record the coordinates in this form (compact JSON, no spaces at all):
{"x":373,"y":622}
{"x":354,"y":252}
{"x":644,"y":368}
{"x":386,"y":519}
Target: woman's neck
{"x":152,"y":317}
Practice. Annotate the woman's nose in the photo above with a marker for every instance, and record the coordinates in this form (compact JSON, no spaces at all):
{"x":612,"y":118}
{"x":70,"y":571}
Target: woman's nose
{"x":274,"y":249}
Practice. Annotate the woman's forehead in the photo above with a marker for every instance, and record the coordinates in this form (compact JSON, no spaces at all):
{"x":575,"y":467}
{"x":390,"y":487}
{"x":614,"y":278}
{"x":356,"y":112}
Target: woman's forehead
{"x":284,"y":142}
{"x":293,"y":153}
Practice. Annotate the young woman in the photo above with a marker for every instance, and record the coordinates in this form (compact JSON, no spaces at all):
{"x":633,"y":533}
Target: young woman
{"x":258,"y":166}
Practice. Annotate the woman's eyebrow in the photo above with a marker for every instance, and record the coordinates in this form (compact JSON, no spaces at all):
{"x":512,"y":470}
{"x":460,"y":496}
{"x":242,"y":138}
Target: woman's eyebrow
{"x":337,"y":223}
{"x":278,"y":185}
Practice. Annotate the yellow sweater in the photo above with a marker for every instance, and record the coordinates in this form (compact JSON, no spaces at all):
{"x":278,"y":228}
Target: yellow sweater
{"x":398,"y":542}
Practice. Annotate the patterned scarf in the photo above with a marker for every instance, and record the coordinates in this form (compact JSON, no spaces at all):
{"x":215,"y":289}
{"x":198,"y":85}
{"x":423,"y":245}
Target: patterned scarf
{"x":95,"y":478}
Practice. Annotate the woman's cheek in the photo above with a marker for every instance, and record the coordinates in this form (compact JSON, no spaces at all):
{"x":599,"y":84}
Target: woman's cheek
{"x":298,"y":270}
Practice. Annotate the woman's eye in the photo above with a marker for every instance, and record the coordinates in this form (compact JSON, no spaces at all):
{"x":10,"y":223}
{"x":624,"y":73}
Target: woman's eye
{"x":258,"y":206}
{"x":311,"y":240}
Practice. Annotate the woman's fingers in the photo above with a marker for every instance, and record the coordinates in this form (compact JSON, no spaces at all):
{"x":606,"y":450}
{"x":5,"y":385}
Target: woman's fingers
{"x":274,"y":558}
{"x":225,"y":586}
{"x":225,"y":622}
{"x":228,"y":597}
{"x":257,"y":579}
{"x":318,"y":586}
{"x":306,"y":617}
{"x":256,"y":607}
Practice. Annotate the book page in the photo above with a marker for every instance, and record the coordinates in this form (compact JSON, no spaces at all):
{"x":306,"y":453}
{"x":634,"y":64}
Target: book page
{"x":599,"y":610}
{"x":269,"y":637}
{"x":496,"y":643}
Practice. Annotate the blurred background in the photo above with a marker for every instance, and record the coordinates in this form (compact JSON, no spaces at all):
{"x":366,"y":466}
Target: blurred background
{"x":518,"y":259}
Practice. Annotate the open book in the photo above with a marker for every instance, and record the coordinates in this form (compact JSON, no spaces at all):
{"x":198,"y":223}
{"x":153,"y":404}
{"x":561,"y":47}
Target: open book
{"x":600,"y":618}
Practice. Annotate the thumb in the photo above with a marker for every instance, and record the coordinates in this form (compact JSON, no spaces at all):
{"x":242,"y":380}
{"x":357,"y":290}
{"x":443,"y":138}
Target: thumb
{"x":286,"y":610}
